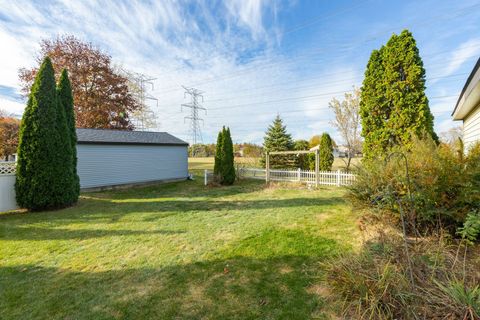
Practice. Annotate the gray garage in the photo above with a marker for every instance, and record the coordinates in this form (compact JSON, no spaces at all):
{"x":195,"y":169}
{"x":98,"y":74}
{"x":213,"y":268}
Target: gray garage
{"x":114,"y":157}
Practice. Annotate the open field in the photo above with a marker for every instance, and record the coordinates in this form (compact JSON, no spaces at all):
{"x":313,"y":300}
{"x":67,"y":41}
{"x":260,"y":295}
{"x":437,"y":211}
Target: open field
{"x":207,"y":163}
{"x":176,"y":251}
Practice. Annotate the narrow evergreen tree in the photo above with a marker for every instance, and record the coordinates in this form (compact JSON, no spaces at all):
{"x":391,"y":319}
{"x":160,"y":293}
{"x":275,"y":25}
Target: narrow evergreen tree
{"x":65,"y":97}
{"x":64,"y":178}
{"x":277,"y":139}
{"x":39,"y":180}
{"x":394,"y":107}
{"x":217,"y":168}
{"x":374,"y":107}
{"x":326,"y":153}
{"x":228,"y":166}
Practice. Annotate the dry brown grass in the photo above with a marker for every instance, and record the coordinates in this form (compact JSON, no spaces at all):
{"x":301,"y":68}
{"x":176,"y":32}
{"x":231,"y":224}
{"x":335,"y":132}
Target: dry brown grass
{"x":375,"y":283}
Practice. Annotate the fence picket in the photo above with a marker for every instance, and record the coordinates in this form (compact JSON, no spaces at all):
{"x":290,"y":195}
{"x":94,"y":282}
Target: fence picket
{"x":332,"y":178}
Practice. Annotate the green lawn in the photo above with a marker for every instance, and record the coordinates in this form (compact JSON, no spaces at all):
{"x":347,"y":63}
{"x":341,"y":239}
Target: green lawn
{"x":175,"y":251}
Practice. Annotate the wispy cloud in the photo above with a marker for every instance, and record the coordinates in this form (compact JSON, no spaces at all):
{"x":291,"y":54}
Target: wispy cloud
{"x":465,"y":52}
{"x":234,"y":50}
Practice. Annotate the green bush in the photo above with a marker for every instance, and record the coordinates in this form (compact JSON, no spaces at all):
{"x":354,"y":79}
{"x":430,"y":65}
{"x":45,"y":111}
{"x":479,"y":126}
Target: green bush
{"x":224,"y":167}
{"x":444,"y":186}
{"x":303,"y":161}
{"x":326,"y":153}
{"x":228,"y":166}
{"x":217,"y":168}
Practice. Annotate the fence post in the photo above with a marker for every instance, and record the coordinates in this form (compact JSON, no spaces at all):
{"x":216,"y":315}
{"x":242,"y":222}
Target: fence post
{"x":205,"y":179}
{"x":317,"y":168}
{"x":338,"y":178}
{"x":299,"y":174}
{"x":267,"y":171}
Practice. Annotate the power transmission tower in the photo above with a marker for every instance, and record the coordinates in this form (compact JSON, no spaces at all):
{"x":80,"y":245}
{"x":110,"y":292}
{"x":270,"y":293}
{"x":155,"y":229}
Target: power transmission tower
{"x":194,"y":105}
{"x":143,"y":118}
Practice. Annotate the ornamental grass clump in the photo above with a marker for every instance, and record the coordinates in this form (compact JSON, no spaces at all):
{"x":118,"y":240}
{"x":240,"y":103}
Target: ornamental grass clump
{"x":376,"y":282}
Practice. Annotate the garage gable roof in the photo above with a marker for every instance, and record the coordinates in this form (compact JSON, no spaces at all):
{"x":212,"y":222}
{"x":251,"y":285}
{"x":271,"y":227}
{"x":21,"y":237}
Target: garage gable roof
{"x":106,"y":136}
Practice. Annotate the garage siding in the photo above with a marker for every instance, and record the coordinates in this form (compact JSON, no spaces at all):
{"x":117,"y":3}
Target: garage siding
{"x":471,"y":128}
{"x":102,"y":165}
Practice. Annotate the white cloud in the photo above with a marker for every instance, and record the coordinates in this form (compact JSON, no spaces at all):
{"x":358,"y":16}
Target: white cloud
{"x":13,"y":107}
{"x":248,"y":13}
{"x":463,"y":53}
{"x":445,"y":125}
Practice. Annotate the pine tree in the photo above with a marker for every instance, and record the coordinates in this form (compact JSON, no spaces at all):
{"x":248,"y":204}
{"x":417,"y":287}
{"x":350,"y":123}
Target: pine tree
{"x":277,"y":139}
{"x":40,"y":183}
{"x":326,"y":153}
{"x":65,"y":97}
{"x":217,"y":169}
{"x":394,"y":107}
{"x":228,"y":166}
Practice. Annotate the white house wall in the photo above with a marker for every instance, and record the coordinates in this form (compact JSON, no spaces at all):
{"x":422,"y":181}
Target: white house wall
{"x":106,"y":165}
{"x":471,"y":128}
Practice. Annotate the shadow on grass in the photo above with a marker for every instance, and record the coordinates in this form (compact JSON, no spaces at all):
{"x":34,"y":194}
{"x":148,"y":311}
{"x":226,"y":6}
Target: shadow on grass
{"x":268,"y":286}
{"x":112,"y":210}
{"x":191,"y":189}
{"x":33,"y":233}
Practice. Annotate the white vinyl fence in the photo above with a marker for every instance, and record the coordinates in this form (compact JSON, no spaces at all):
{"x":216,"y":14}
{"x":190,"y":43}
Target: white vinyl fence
{"x":7,"y":186}
{"x":330,"y":178}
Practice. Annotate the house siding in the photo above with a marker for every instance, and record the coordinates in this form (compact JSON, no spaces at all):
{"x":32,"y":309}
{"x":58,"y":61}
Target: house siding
{"x":471,"y":128}
{"x":101,"y":165}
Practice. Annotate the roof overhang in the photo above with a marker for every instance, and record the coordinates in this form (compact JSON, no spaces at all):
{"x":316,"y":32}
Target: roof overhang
{"x":132,"y":143}
{"x":470,"y":95}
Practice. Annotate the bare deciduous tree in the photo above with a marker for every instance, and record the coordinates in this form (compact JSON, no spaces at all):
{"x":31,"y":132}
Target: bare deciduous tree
{"x":451,"y":136}
{"x":347,"y":121}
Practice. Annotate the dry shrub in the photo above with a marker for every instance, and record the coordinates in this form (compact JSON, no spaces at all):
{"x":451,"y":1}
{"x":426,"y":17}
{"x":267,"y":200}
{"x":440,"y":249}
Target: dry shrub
{"x":376,"y":283}
{"x":444,"y":186}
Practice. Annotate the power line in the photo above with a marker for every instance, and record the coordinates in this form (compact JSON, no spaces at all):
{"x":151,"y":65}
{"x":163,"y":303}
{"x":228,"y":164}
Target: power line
{"x":319,"y":84}
{"x":143,"y":118}
{"x":194,"y":105}
{"x":435,"y":19}
{"x":280,"y":88}
{"x":252,"y":123}
{"x":297,"y":27}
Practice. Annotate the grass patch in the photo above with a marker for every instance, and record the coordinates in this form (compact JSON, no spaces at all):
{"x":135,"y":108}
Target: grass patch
{"x":178,"y":250}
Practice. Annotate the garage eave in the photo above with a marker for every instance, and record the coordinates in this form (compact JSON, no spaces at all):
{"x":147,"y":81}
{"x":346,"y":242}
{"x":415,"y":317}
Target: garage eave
{"x":470,"y":95}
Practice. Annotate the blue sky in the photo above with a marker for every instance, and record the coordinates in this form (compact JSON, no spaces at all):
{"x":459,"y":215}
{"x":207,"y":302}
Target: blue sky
{"x":252,"y":58}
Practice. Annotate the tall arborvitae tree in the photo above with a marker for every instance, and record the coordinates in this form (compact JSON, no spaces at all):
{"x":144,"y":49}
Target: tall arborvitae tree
{"x":65,"y":97}
{"x":228,"y":166}
{"x":326,"y":153}
{"x":374,"y":107}
{"x":217,"y":168}
{"x":41,"y":181}
{"x":277,"y":139}
{"x":394,"y":107}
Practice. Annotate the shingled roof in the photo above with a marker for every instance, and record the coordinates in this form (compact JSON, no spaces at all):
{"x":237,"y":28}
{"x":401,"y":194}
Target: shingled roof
{"x":105,"y":136}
